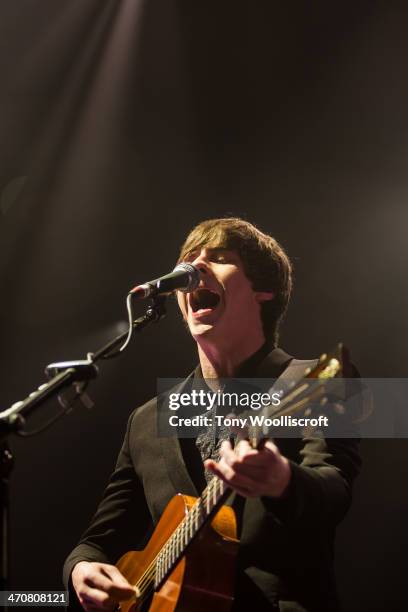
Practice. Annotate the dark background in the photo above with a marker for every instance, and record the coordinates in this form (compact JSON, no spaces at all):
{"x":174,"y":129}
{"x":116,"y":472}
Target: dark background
{"x":125,"y":122}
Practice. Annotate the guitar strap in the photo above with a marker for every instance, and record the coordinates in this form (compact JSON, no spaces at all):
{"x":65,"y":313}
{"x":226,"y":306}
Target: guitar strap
{"x":296,"y":369}
{"x":284,"y":368}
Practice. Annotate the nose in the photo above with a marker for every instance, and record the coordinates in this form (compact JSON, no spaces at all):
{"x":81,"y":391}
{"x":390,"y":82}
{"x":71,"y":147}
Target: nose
{"x":201,"y":261}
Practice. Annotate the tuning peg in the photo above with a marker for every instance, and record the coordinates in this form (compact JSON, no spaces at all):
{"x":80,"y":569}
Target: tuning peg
{"x":339,"y":408}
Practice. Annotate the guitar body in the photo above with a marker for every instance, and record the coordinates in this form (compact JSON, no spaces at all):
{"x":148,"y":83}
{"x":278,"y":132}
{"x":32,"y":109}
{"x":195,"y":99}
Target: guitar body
{"x":204,"y":577}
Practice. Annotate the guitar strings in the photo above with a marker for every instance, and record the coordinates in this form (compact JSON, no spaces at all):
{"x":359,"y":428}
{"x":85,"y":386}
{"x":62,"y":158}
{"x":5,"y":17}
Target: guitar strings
{"x":186,"y":522}
{"x":144,"y":583}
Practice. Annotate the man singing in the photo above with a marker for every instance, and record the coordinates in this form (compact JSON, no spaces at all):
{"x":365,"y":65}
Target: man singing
{"x":291,"y":493}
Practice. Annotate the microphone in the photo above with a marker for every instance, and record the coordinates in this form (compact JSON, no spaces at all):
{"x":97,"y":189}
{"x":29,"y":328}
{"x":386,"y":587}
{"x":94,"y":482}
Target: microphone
{"x":185,"y":277}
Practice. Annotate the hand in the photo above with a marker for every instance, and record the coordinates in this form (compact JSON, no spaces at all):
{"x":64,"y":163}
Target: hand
{"x":252,"y":472}
{"x":100,"y":586}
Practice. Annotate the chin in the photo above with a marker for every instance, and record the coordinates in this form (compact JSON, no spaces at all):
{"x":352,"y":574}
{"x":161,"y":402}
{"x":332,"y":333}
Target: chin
{"x":204,"y":329}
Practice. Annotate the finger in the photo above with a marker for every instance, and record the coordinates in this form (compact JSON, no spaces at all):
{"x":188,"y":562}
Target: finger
{"x":106,"y":585}
{"x":245,"y":492}
{"x":96,"y":599}
{"x":227,"y":452}
{"x":254,"y":471}
{"x":252,"y":465}
{"x":100,"y":580}
{"x":233,"y":478}
{"x":271,"y":448}
{"x":241,"y":432}
{"x":234,"y":458}
{"x":120,"y":587}
{"x":115,"y":575}
{"x":97,"y":580}
{"x":94,"y":608}
{"x":226,"y":446}
{"x":244,"y":448}
{"x":247,"y":453}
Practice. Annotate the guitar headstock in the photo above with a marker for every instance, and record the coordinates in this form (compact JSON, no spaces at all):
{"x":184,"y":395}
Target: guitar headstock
{"x":331,"y":365}
{"x":310,"y":392}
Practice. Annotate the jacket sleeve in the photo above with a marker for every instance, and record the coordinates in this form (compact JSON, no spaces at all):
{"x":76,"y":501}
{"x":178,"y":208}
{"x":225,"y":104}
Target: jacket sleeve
{"x":321,"y":482}
{"x":122,"y":521}
{"x":320,"y":487}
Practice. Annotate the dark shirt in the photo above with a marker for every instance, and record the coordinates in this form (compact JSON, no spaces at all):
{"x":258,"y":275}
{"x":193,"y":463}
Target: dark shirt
{"x":208,"y":443}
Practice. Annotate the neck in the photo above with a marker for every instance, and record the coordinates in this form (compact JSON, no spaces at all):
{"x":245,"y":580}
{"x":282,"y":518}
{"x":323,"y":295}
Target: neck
{"x":218,"y":361}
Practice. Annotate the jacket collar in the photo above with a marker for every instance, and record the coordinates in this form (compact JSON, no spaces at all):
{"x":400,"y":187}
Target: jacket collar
{"x":271,"y":366}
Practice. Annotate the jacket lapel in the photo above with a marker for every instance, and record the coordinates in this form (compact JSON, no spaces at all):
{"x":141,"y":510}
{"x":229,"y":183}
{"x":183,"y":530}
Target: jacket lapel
{"x":173,"y":457}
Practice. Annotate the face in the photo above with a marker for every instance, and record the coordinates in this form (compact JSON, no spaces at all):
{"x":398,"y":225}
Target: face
{"x":224,"y":305}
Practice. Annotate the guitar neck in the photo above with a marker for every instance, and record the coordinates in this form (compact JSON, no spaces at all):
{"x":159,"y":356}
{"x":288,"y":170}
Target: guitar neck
{"x":199,"y":514}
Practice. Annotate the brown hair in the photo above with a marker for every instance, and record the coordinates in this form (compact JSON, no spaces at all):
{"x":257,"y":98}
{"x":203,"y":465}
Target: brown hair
{"x":265,"y":262}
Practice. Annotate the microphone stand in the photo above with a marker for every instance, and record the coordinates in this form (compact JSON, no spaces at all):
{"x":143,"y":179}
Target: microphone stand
{"x":13,"y":419}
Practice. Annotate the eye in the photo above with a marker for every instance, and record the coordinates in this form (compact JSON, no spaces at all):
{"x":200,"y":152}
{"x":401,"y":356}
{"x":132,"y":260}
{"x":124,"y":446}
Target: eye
{"x":190,"y":256}
{"x":218,"y":257}
{"x":223,"y":257}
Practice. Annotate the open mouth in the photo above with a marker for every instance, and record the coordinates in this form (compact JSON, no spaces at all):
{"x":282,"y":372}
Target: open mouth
{"x":204,"y":300}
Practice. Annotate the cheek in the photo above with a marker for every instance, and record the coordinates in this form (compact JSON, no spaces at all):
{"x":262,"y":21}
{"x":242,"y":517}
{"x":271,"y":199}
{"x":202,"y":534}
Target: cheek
{"x":240,"y":290}
{"x":244,"y":305}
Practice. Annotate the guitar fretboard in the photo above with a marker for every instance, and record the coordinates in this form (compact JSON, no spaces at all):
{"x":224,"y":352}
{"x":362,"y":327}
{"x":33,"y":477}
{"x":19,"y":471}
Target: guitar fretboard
{"x":199,"y":513}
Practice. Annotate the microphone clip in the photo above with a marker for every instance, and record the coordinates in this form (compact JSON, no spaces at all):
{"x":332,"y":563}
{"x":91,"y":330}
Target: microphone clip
{"x":157,"y":308}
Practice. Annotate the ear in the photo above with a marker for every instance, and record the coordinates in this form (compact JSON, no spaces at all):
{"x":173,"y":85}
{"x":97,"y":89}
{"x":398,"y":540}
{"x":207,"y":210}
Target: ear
{"x":264,"y":296}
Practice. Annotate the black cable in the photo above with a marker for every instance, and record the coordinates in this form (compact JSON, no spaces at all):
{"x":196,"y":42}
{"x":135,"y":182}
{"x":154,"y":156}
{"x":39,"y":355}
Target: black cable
{"x":68,"y":408}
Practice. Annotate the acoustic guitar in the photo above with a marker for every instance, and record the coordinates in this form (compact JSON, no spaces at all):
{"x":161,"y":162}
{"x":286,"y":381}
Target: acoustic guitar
{"x":170,"y":573}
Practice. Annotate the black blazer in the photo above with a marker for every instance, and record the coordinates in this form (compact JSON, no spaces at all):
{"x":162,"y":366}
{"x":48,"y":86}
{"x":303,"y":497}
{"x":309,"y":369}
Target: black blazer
{"x":286,"y":547}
